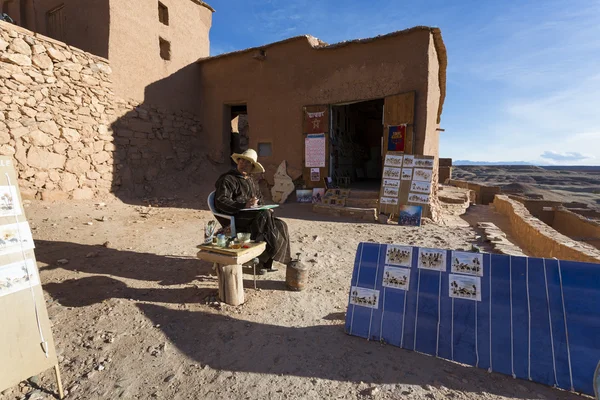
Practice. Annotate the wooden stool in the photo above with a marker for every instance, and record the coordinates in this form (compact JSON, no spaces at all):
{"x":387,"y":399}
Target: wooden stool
{"x":228,"y":264}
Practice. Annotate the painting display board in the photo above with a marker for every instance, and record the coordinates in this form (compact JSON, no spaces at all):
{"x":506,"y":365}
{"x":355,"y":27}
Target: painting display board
{"x":27,"y":346}
{"x":406,"y":181}
{"x":336,"y":197}
{"x":530,"y":318}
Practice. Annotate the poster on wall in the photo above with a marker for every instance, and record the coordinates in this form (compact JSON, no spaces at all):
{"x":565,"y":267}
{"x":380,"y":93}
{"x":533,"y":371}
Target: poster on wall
{"x":465,"y":287}
{"x":396,"y":137}
{"x":314,"y":146}
{"x":315,"y":174}
{"x":317,"y":195}
{"x":9,"y":201}
{"x":316,"y":122}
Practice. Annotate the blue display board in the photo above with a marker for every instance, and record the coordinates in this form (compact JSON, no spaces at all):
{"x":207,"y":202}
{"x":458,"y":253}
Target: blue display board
{"x":531,"y":318}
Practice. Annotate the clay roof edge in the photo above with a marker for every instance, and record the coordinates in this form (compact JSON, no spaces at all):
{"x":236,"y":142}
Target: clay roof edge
{"x":203,"y":4}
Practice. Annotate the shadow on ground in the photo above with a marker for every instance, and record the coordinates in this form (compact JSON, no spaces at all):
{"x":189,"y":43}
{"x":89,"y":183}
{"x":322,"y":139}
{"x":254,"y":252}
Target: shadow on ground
{"x":225,"y":343}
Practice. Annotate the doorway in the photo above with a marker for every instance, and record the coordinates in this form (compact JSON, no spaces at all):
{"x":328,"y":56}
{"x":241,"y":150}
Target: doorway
{"x":238,"y":128}
{"x":356,"y":140}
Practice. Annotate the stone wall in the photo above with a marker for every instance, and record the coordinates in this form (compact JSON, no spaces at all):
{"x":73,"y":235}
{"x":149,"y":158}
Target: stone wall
{"x":71,"y":136}
{"x":577,"y":227}
{"x":539,"y":239}
{"x":483,"y":194}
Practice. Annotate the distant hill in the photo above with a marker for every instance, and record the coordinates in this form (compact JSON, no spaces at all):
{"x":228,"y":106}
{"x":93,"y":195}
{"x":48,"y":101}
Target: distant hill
{"x":468,"y":162}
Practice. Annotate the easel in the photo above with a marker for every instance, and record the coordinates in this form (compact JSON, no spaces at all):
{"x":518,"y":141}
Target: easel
{"x":25,"y":328}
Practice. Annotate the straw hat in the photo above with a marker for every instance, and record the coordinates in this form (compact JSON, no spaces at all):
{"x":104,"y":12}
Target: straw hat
{"x":251,"y":156}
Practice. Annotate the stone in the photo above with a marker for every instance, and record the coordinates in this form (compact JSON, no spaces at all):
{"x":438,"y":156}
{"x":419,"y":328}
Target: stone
{"x":38,"y":48}
{"x":7,"y":150}
{"x":62,"y":261}
{"x":54,"y":175}
{"x":39,"y":138}
{"x":50,"y":128}
{"x":70,"y":135}
{"x":20,"y":46}
{"x":102,"y":68}
{"x":44,"y":160}
{"x":110,"y":147}
{"x":90,"y":80}
{"x":43,"y":117}
{"x":31,"y":102}
{"x":100,"y":157}
{"x":284,"y":185}
{"x":78,"y":166}
{"x":28,"y":194}
{"x":22,"y":79}
{"x":93,"y":175}
{"x":70,"y":66}
{"x":68,"y":182}
{"x":30,"y":112}
{"x":60,"y":148}
{"x":42,"y":61}
{"x":54,"y":195}
{"x":17,"y":59}
{"x":56,"y":55}
{"x":83,"y":194}
{"x":4,"y":137}
{"x":3,"y":44}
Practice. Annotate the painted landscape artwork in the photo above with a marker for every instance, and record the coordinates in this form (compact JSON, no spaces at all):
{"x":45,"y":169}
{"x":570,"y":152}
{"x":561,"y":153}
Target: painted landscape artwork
{"x":432,"y":259}
{"x":418,"y":198}
{"x":15,"y":237}
{"x":396,"y":278}
{"x":364,"y":297}
{"x":399,"y":255}
{"x":393,"y":160}
{"x":409,"y":161}
{"x":390,"y":191}
{"x":423,"y":175}
{"x":407,"y":174}
{"x":391,"y":173}
{"x":410,"y":215}
{"x":389,"y":200}
{"x":420,"y":187}
{"x":465,"y":287}
{"x":391,"y":183}
{"x":467,"y":263}
{"x":18,"y":276}
{"x":9,"y":201}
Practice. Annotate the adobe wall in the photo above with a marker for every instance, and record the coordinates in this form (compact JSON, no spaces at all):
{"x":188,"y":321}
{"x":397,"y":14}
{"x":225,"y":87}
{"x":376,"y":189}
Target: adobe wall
{"x":57,"y":114}
{"x":85,"y":27}
{"x":539,"y":239}
{"x":296,"y":74}
{"x":577,"y":227}
{"x":483,"y":194}
{"x":135,"y":56}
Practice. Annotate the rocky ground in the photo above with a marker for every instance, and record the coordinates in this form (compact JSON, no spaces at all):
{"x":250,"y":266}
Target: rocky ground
{"x":134,"y":314}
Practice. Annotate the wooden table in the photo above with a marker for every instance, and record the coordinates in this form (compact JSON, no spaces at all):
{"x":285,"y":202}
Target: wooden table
{"x":228,"y":264}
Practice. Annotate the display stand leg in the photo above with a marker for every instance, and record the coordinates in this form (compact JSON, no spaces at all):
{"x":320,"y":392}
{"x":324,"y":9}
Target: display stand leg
{"x":61,"y":392}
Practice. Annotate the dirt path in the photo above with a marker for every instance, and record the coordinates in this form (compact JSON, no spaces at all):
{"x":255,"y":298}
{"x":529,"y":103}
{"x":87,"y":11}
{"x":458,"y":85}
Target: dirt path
{"x":131,"y":319}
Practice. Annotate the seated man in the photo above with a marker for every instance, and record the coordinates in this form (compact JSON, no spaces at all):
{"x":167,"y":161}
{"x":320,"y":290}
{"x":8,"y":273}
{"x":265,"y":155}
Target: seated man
{"x":236,"y":190}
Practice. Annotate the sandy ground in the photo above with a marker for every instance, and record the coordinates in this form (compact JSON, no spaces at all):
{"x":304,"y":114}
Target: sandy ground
{"x":131,"y":320}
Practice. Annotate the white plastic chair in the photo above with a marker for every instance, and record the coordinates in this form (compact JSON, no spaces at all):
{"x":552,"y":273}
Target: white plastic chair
{"x":231,"y":218}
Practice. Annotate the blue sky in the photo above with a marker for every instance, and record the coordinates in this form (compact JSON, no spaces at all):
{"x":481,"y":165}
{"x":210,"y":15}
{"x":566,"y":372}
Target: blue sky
{"x":523,"y":76}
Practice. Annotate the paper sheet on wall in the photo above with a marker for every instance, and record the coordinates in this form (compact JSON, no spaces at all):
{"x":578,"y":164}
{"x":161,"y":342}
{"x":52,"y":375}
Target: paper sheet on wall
{"x":314,"y":146}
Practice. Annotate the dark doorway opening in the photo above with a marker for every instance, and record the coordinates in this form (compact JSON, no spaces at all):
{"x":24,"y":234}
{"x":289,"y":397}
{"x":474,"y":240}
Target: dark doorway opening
{"x":356,"y":138}
{"x":239,"y":129}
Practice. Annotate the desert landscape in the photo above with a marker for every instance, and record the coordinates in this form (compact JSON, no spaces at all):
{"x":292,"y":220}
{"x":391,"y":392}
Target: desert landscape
{"x":561,"y":183}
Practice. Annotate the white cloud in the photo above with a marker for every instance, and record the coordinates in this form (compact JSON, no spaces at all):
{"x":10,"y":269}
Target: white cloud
{"x":567,"y":156}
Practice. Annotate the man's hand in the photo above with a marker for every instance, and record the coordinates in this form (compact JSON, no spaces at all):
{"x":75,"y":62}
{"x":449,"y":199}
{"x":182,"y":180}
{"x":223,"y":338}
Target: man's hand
{"x":253,"y":202}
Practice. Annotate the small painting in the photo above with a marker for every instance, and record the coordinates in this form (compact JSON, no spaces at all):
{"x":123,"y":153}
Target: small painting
{"x":396,"y":138}
{"x":391,"y":183}
{"x":418,"y":198}
{"x":424,"y":162}
{"x":393,"y":160}
{"x":340,"y":201}
{"x":391,"y":173}
{"x":9,"y":201}
{"x":18,"y":276}
{"x":390,"y":191}
{"x":388,"y":200}
{"x":467,"y":263}
{"x":304,"y":196}
{"x":398,"y":255}
{"x":433,"y":259}
{"x":364,"y":297}
{"x":317,"y":195}
{"x":409,"y":161}
{"x":465,"y":287}
{"x":407,"y":174}
{"x":345,"y":192}
{"x":331,"y":200}
{"x":410,"y":215}
{"x":396,"y":278}
{"x":423,"y":175}
{"x":315,"y":174}
{"x":15,"y":238}
{"x":420,"y":187}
